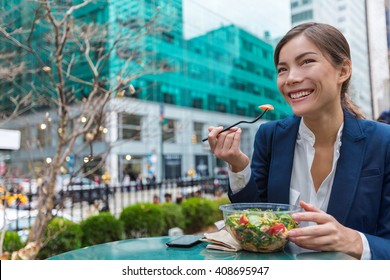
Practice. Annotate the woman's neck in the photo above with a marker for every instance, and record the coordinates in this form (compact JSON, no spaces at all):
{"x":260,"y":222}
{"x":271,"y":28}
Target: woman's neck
{"x":325,"y":127}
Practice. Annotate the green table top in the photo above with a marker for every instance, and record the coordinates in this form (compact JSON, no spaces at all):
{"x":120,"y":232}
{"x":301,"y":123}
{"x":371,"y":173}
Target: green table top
{"x":154,"y":248}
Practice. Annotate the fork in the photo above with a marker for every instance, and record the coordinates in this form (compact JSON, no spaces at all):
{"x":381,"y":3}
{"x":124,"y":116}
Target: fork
{"x":237,"y":123}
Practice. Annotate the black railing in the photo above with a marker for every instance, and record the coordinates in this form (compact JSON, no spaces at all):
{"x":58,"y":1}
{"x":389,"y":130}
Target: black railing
{"x":79,"y":202}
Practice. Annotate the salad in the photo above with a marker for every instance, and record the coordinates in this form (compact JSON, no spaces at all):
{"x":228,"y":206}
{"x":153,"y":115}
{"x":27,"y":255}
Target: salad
{"x":260,"y":231}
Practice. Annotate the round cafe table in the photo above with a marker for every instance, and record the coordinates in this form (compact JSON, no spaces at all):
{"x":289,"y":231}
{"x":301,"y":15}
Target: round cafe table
{"x":155,"y":248}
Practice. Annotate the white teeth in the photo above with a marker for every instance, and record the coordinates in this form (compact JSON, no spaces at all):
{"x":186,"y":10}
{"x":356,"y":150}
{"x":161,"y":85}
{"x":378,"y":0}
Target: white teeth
{"x":299,"y":94}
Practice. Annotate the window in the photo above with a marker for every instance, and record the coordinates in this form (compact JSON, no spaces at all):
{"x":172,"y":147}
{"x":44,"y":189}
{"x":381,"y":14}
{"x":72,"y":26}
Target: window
{"x":246,"y":45}
{"x":250,"y":66}
{"x":212,"y":100}
{"x":268,"y":74}
{"x":195,"y":71}
{"x":25,"y":138}
{"x":294,"y":4}
{"x":168,"y":130}
{"x":197,"y":103}
{"x":239,"y":85}
{"x":168,"y":37}
{"x":230,"y":36}
{"x":169,"y":98}
{"x":241,"y":111}
{"x":130,"y":127}
{"x":306,"y":15}
{"x":221,"y":107}
{"x":44,"y":135}
{"x":197,"y":134}
{"x":265,"y":53}
{"x":269,"y":93}
{"x":131,"y":166}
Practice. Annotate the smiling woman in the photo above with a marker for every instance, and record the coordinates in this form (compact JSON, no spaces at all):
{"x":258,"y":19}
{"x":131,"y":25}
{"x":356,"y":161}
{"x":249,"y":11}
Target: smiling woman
{"x":344,"y":190}
{"x":315,"y":56}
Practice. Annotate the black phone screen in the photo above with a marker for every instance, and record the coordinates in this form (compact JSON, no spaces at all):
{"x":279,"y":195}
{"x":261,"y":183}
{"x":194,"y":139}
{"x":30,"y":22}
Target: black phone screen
{"x":185,"y":241}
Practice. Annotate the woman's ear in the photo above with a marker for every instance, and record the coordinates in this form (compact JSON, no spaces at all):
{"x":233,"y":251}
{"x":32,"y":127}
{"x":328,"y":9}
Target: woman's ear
{"x":345,"y":71}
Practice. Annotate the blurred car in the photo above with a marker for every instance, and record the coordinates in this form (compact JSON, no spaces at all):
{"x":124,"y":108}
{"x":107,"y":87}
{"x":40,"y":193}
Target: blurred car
{"x":24,"y":185}
{"x":79,"y":189}
{"x":17,"y":193}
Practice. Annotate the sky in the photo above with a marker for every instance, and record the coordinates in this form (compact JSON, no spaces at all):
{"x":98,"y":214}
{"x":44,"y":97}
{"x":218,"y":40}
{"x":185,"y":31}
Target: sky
{"x":255,"y":16}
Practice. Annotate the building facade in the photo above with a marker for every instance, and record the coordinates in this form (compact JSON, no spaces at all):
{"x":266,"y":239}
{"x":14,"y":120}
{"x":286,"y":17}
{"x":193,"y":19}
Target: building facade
{"x":214,"y":79}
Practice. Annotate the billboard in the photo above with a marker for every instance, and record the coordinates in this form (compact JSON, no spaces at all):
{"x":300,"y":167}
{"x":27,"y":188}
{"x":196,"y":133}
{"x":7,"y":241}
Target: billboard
{"x":9,"y":139}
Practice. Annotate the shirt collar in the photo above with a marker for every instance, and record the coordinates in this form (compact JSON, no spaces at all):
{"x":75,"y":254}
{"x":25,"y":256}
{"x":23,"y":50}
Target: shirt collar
{"x":305,"y":134}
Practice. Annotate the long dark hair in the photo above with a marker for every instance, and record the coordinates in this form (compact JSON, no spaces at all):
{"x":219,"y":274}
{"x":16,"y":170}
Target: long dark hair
{"x":333,"y":45}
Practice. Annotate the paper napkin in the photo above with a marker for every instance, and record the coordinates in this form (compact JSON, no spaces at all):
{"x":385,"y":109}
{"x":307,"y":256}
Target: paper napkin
{"x":221,"y":240}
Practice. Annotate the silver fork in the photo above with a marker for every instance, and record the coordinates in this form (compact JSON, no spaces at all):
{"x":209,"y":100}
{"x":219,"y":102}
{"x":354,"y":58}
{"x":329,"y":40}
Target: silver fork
{"x":237,"y":123}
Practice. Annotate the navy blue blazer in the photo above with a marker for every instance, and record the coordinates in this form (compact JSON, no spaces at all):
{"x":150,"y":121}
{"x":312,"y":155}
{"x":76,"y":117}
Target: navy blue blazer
{"x":360,"y":197}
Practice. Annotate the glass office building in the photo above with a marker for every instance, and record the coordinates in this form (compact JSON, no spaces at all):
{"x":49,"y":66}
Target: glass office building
{"x":213,"y":79}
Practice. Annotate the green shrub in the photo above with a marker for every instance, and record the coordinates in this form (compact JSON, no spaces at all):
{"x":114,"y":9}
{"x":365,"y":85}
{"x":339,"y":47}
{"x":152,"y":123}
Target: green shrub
{"x":220,"y":201}
{"x":12,"y":242}
{"x":198,"y":213}
{"x":61,"y":235}
{"x":143,"y":219}
{"x":101,"y":228}
{"x":173,"y":216}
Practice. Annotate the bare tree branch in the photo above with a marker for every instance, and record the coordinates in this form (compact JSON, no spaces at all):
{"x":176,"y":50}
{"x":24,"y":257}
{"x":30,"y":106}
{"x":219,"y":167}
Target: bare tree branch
{"x":66,"y":45}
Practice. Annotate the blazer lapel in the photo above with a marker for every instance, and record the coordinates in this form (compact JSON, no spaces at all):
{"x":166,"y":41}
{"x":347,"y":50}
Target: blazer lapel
{"x":282,"y":160}
{"x":348,"y":169}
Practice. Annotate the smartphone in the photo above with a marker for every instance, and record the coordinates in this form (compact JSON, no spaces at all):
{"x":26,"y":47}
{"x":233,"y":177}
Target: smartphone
{"x":185,"y":241}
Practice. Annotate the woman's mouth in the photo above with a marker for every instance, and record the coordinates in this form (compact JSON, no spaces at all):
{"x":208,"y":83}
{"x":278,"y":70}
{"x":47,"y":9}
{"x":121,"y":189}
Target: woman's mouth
{"x":300,"y":94}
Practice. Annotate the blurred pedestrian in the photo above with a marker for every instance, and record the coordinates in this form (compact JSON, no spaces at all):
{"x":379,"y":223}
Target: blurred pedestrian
{"x":139,"y":183}
{"x":168,"y":197}
{"x":156,"y":199}
{"x":384,"y":117}
{"x":179,"y":198}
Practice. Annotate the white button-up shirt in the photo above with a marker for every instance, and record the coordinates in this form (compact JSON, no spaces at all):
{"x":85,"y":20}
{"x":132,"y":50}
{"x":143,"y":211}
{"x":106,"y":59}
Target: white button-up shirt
{"x":302,"y":186}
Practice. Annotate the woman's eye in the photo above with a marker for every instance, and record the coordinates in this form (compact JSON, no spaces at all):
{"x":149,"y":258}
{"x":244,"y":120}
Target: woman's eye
{"x":280,"y":70}
{"x":307,"y":61}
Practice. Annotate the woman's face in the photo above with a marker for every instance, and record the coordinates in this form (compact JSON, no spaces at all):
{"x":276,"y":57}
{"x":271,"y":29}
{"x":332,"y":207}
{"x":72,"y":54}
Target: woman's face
{"x":307,"y":80}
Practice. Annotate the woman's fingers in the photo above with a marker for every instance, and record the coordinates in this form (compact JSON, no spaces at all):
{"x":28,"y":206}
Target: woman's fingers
{"x":221,"y":142}
{"x":236,"y":140}
{"x":213,"y":135}
{"x":311,"y":214}
{"x":228,"y":139}
{"x":319,"y":243}
{"x":316,"y":217}
{"x":315,"y":230}
{"x":309,"y":207}
{"x":214,"y":131}
{"x":226,"y":146}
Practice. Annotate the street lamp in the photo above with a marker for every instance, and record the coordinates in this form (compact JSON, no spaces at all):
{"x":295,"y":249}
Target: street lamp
{"x":162,"y":118}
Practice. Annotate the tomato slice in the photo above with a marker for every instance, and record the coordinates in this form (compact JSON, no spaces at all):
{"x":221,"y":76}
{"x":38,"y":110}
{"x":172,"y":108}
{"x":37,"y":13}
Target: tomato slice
{"x":266,"y":107}
{"x":243,"y":220}
{"x":277,"y":228}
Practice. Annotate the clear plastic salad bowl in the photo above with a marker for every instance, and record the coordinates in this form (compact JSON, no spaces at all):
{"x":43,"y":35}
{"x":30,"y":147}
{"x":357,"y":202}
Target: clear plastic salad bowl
{"x":260,"y":227}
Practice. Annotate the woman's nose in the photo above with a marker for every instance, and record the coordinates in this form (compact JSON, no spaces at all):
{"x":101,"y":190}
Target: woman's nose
{"x":293,"y":77}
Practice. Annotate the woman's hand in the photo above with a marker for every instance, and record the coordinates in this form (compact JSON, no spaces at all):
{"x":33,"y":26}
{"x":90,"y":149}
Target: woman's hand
{"x":327,"y":235}
{"x":226,"y":146}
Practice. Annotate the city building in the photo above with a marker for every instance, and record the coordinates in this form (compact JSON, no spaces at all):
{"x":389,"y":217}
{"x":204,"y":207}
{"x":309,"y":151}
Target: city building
{"x":157,"y":129}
